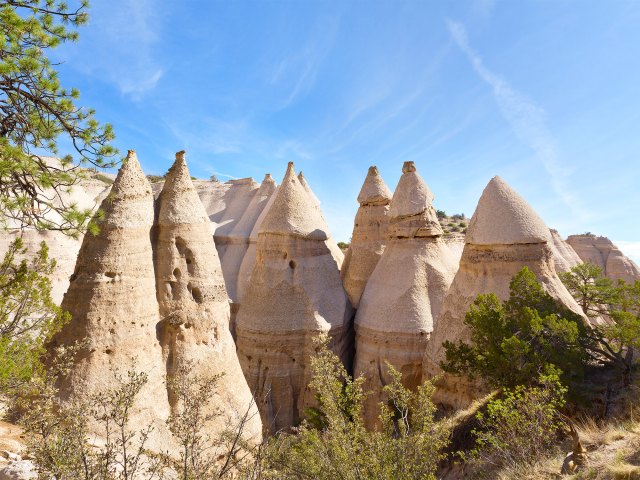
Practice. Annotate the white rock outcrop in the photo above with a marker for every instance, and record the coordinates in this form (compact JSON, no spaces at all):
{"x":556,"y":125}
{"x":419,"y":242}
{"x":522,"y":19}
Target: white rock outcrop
{"x":602,"y":252}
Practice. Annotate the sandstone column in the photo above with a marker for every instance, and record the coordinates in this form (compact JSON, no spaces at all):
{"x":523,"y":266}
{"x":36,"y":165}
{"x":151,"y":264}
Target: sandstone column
{"x":111,"y":298}
{"x":505,"y":234}
{"x":293,"y":294}
{"x":369,"y":235}
{"x":194,"y":306}
{"x":403,"y":296}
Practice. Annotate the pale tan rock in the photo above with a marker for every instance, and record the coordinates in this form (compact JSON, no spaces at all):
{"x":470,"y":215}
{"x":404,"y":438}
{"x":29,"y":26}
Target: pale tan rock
{"x":294,"y":293}
{"x":194,"y":307}
{"x":336,"y":252}
{"x":111,"y":298}
{"x":510,"y":236}
{"x":602,"y":252}
{"x":564,"y":256}
{"x":403,"y":296}
{"x":236,"y":242}
{"x":369,"y":235}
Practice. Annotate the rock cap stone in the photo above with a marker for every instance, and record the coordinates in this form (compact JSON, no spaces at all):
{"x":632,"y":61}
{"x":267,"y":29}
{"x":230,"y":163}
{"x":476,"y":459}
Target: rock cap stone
{"x":293,"y":212}
{"x":503,"y":217}
{"x":374,"y":191}
{"x":412,"y":195}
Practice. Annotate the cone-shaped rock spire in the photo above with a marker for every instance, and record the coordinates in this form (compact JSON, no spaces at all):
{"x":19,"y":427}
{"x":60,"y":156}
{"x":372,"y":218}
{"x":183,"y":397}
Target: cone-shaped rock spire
{"x":374,"y":191}
{"x":305,"y":184}
{"x":293,"y":211}
{"x":294,"y":293}
{"x":369,"y":235}
{"x":564,"y":255}
{"x":403,"y":296}
{"x":111,"y":298}
{"x":194,"y":306}
{"x":505,"y":234}
{"x":504,"y":217}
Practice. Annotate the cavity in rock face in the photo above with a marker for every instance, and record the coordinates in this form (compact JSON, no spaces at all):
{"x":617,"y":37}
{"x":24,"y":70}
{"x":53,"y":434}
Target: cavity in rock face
{"x":403,"y":297}
{"x":194,"y":306}
{"x":293,"y":294}
{"x":369,"y":235}
{"x":112,"y":301}
{"x":505,"y":234}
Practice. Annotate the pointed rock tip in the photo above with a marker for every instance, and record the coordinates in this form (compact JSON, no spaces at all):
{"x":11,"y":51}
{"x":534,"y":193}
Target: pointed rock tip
{"x":131,"y":179}
{"x":179,"y":202}
{"x":374,"y":191}
{"x":412,"y":195}
{"x":293,"y":211}
{"x":503,"y":217}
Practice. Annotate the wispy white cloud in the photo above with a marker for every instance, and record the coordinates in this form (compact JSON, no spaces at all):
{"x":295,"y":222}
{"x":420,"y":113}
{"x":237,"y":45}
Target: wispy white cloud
{"x":210,"y":135}
{"x":526,"y":119}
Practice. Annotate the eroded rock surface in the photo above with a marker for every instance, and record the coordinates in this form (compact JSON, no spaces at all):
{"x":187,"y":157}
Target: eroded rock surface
{"x":111,"y":298}
{"x":293,"y":294}
{"x":194,"y":306}
{"x":403,"y":296}
{"x":369,"y":235}
{"x":602,"y":252}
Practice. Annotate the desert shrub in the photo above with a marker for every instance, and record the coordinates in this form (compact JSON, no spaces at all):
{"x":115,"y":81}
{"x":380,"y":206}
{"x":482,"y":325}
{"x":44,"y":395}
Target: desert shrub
{"x":515,"y":341}
{"x":462,"y":224}
{"x":441,"y":214}
{"x":458,"y":216}
{"x":455,"y":229}
{"x":214,"y":178}
{"x":155,"y":178}
{"x":343,"y":245}
{"x":408,"y":446}
{"x":521,"y":426}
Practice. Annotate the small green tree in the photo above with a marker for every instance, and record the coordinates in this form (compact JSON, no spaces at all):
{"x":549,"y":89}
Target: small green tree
{"x":28,"y":315}
{"x":515,"y":342}
{"x":35,"y":111}
{"x":592,"y":290}
{"x":409,"y":445}
{"x":616,"y":336}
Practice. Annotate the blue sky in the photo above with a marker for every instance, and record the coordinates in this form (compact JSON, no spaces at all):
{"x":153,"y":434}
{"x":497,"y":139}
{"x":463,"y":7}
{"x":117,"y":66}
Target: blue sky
{"x":545,"y":94}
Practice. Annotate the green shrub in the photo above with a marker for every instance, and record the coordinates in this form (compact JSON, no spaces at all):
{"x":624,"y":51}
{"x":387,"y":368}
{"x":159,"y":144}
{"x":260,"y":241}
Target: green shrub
{"x":441,"y":214}
{"x":515,"y":341}
{"x":409,"y":444}
{"x":521,"y":426}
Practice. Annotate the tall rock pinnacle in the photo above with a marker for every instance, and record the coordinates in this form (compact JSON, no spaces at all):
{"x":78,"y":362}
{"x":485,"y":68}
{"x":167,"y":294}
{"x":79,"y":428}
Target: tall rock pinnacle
{"x":293,"y":294}
{"x":505,"y":234}
{"x":403,"y":296}
{"x":369,"y":235}
{"x":194,"y":306}
{"x":111,"y":298}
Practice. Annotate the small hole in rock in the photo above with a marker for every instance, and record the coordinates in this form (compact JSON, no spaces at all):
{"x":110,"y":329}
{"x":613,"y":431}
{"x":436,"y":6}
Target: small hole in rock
{"x":111,"y":274}
{"x":292,"y":264}
{"x":108,"y":351}
{"x":176,"y":273}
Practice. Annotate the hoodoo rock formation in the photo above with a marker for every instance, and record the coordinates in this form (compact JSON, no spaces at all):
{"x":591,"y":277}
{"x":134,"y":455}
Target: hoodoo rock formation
{"x":403,"y":297}
{"x":111,"y":298}
{"x":505,"y":234}
{"x":369,"y":235}
{"x":564,"y":256}
{"x":602,"y":252}
{"x":194,"y":307}
{"x":237,"y":241}
{"x":293,"y":294}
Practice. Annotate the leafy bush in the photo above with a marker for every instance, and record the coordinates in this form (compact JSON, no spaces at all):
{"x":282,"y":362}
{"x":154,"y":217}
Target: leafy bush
{"x":343,"y":245}
{"x":521,"y":426}
{"x":441,"y":214}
